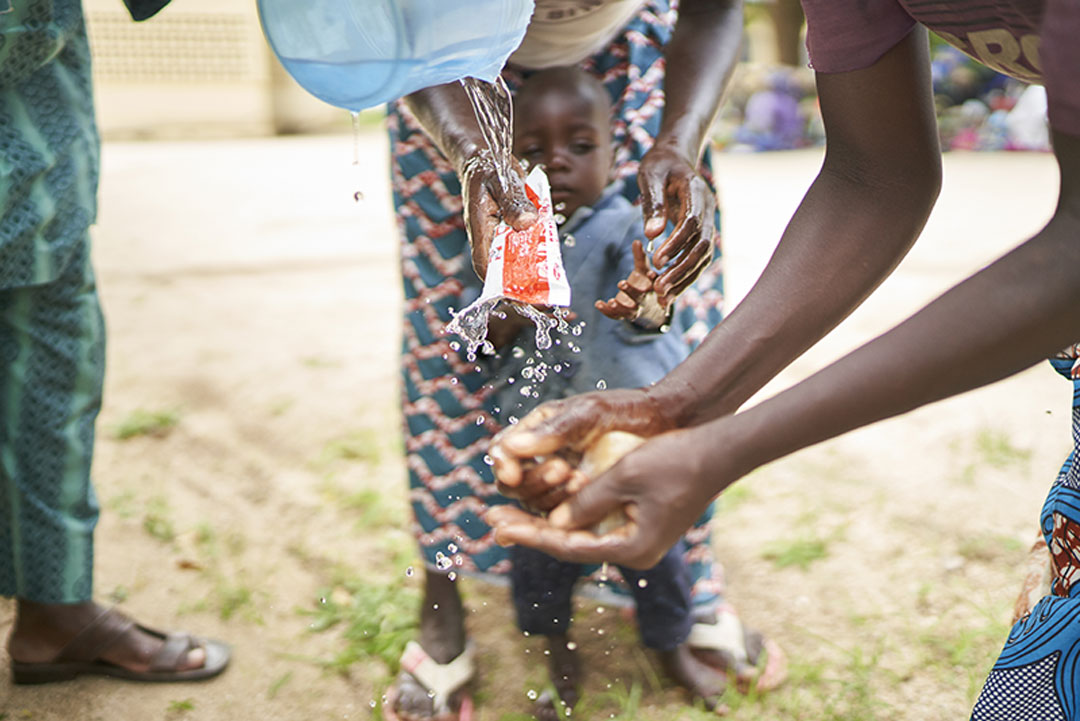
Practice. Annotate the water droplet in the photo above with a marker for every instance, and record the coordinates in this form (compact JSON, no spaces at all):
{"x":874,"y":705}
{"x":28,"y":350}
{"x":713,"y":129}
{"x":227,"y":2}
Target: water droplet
{"x":558,"y":368}
{"x":409,"y":571}
{"x":512,"y":420}
{"x":452,"y":576}
{"x":577,"y":329}
{"x":435,"y":606}
{"x":569,"y":241}
{"x":452,"y":547}
{"x":322,"y":601}
{"x":599,"y":609}
{"x":526,"y":390}
{"x":372,"y":703}
{"x":358,"y":196}
{"x":525,"y":634}
{"x":561,"y":205}
{"x":649,"y":247}
{"x":453,"y":381}
{"x":547,"y":651}
{"x":518,"y":352}
{"x":599,"y":632}
{"x":454,"y":345}
{"x":510,"y":381}
{"x":642,"y":583}
{"x":571,"y":646}
{"x":480,"y":419}
{"x":601,"y":384}
{"x":489,"y":460}
{"x":532,"y":694}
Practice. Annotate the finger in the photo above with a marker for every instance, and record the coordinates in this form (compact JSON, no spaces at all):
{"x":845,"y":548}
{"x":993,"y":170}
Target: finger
{"x":689,"y":266}
{"x":652,"y":202}
{"x":694,"y":213}
{"x":515,"y":208}
{"x":681,"y":285}
{"x":590,"y":505}
{"x":679,"y":276}
{"x":624,"y":301}
{"x":637,"y":282}
{"x":640,"y":261}
{"x":507,"y":468}
{"x":554,"y":471}
{"x":613,"y":311}
{"x":575,"y":546}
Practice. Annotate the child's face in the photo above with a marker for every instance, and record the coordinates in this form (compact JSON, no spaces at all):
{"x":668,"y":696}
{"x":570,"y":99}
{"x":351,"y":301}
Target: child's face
{"x":570,"y":135}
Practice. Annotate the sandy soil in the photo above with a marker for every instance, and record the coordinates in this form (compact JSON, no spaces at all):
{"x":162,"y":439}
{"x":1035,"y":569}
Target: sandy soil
{"x":252,"y":298}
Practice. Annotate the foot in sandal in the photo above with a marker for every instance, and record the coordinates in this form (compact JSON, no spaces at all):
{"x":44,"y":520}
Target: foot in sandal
{"x":56,"y":642}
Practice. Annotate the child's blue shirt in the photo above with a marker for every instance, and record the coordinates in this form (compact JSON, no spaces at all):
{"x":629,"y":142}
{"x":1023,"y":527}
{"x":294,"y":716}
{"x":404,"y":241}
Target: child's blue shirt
{"x":597,"y":254}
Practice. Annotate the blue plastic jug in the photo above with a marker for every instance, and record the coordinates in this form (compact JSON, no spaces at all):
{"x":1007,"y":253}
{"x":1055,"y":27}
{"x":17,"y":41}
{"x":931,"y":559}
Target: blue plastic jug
{"x":359,"y":53}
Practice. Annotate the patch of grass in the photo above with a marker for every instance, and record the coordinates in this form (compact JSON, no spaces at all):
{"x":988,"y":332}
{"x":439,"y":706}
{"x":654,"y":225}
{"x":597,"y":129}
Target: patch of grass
{"x":123,"y":504}
{"x":182,"y":706}
{"x":377,"y":620}
{"x":320,"y":362}
{"x":988,"y":547}
{"x":800,"y":552}
{"x":733,"y":497}
{"x":995,"y":449}
{"x":157,"y":521}
{"x":373,"y":509}
{"x":278,"y":684}
{"x":359,"y":445}
{"x":142,"y":422}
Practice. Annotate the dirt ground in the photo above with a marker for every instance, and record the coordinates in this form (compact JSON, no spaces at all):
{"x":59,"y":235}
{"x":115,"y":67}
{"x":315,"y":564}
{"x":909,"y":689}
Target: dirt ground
{"x":253,"y":309}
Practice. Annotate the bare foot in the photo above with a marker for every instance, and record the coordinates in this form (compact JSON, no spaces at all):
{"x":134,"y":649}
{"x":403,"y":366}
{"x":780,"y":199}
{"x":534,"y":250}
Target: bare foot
{"x":701,"y":680}
{"x":42,"y":630}
{"x":564,"y":668}
{"x":442,"y":636}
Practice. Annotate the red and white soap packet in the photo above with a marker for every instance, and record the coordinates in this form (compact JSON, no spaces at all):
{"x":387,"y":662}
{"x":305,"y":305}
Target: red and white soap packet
{"x":526,"y":265}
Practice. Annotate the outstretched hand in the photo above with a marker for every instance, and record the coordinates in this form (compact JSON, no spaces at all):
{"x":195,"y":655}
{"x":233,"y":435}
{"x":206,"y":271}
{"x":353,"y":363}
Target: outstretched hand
{"x":627,"y":303}
{"x":672,"y":191}
{"x":661,"y":487}
{"x":487,"y":202}
{"x":529,"y":458}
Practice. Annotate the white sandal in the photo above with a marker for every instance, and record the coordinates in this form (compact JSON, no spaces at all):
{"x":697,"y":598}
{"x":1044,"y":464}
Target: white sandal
{"x":442,"y":680}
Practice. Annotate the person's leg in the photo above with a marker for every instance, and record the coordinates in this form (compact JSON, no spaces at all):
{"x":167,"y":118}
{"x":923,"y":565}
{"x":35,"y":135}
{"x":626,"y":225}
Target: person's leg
{"x":542,"y":587}
{"x":665,"y":616}
{"x":447,"y":404}
{"x":52,"y":343}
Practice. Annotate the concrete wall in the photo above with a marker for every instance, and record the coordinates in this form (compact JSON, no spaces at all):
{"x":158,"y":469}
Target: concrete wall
{"x":200,"y":68}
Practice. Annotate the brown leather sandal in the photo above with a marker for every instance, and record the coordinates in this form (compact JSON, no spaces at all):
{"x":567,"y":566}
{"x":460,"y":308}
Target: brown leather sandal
{"x":82,"y":655}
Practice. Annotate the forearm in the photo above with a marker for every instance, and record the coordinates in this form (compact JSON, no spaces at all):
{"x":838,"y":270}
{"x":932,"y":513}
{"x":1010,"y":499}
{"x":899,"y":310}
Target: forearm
{"x":1014,"y":313}
{"x":844,"y":239}
{"x":447,"y":117}
{"x":699,"y":59}
{"x":861,"y":215}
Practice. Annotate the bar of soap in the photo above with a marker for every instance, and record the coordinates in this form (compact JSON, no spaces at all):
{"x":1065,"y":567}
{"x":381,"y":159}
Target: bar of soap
{"x":604,"y":453}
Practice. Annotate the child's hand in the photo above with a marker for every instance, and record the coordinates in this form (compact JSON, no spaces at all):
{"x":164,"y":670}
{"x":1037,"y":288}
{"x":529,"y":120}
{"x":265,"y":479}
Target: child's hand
{"x":626,"y":305}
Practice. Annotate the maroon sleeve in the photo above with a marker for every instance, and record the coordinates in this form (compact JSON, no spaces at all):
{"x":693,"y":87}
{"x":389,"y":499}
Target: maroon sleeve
{"x":843,"y":35}
{"x":1060,"y":55}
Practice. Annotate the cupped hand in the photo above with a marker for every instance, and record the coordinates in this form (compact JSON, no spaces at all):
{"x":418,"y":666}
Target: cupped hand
{"x":488,"y":201}
{"x":627,"y":303}
{"x":672,"y":191}
{"x":663,"y":487}
{"x":529,"y":458}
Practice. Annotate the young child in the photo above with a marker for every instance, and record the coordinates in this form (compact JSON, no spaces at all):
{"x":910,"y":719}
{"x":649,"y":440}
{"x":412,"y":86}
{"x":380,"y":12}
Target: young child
{"x":562,"y":121}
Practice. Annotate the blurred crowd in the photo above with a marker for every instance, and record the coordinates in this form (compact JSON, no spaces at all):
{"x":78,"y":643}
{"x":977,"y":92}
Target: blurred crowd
{"x":775,"y":108}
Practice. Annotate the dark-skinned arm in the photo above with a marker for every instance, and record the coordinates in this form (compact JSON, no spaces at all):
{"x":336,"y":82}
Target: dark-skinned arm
{"x":447,"y":117}
{"x":1011,"y":315}
{"x":699,"y":61}
{"x":878,"y":182}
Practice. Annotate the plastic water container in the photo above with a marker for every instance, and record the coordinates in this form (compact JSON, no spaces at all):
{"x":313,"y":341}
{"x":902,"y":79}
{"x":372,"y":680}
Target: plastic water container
{"x":359,"y":53}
